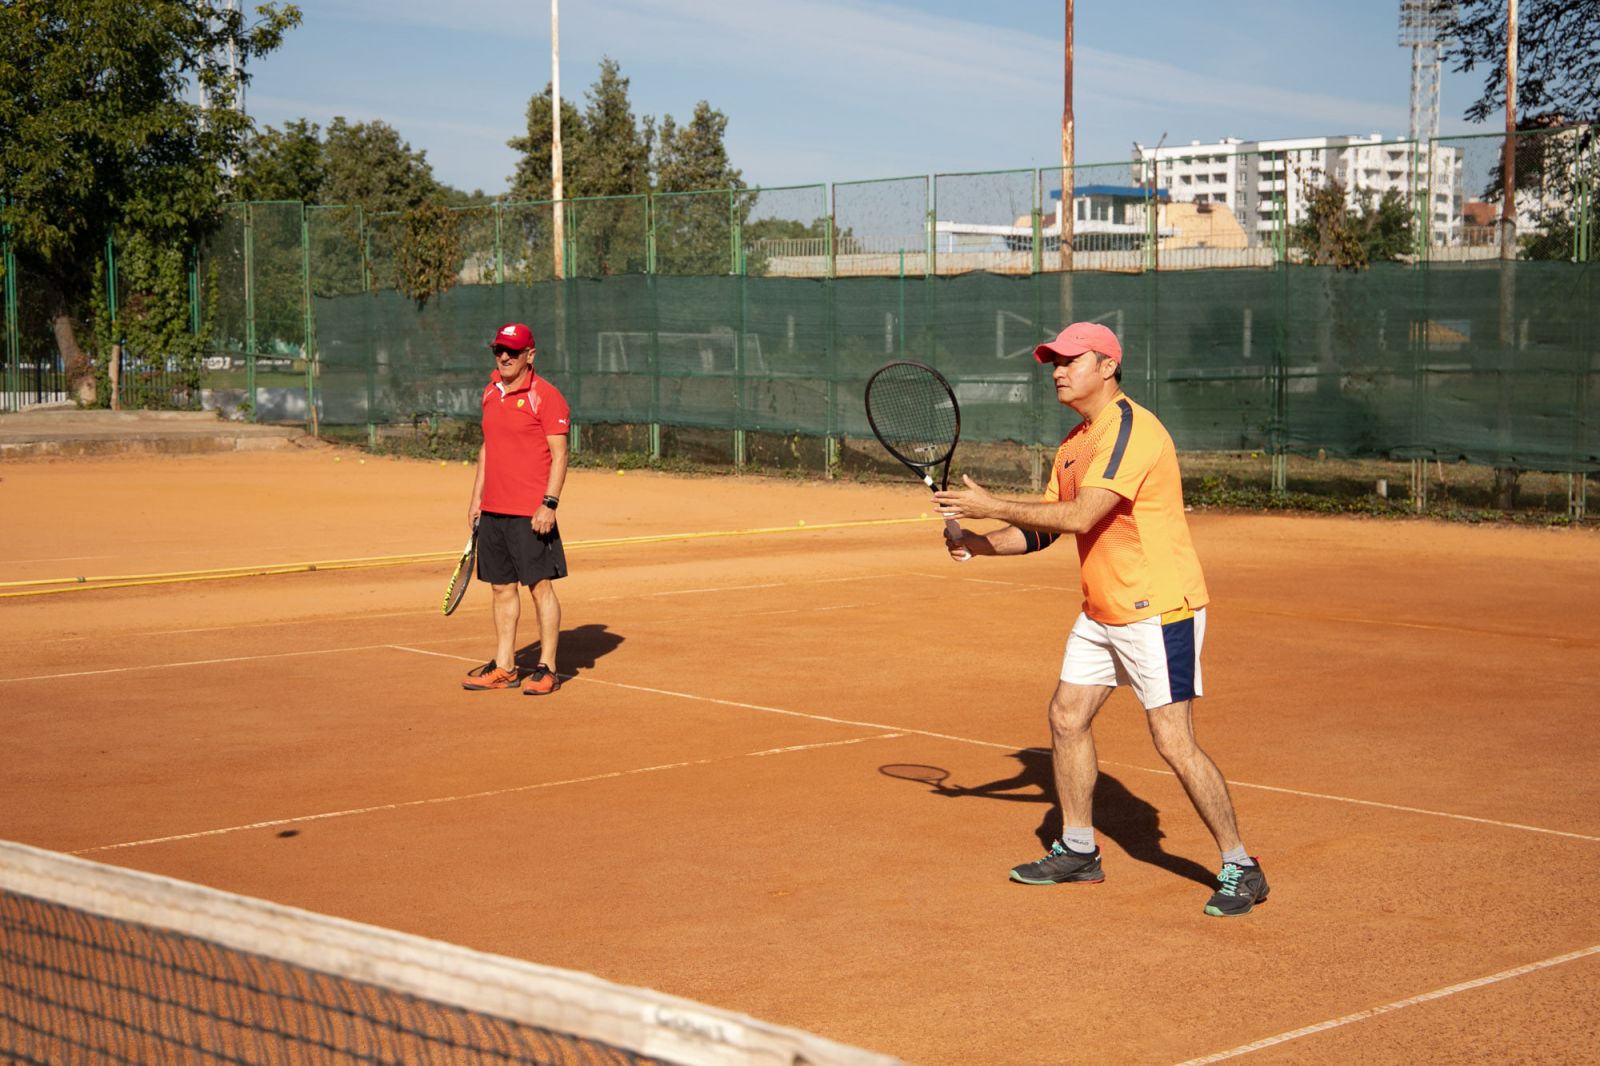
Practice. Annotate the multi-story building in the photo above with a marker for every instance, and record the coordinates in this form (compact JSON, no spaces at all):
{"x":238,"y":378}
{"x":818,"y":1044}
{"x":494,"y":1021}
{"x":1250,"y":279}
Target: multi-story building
{"x":1265,"y":183}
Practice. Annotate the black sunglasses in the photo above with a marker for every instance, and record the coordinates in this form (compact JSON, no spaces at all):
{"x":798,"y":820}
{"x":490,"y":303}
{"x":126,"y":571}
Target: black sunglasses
{"x":513,"y":352}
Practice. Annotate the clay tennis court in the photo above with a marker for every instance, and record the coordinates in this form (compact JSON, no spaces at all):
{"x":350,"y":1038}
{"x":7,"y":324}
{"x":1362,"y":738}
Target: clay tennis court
{"x":1404,"y":710}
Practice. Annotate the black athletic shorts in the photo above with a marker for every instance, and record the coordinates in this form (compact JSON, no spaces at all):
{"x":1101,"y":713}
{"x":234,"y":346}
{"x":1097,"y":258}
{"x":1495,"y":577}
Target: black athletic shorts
{"x":511,"y":553}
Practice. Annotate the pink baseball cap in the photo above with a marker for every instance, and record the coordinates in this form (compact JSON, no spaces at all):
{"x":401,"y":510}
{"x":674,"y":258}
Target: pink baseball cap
{"x":513,"y":335}
{"x":1078,"y":338}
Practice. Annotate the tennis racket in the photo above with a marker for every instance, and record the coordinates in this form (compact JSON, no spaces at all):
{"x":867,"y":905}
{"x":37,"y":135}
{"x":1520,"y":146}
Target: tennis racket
{"x":913,"y":412}
{"x":463,"y":573}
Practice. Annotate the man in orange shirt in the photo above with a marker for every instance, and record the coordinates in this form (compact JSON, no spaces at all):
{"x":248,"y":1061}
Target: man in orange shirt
{"x":1114,"y":485}
{"x":521,"y":468}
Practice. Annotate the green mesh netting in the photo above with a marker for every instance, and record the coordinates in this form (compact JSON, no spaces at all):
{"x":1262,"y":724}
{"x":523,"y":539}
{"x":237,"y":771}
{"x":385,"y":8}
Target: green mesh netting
{"x":1493,"y":362}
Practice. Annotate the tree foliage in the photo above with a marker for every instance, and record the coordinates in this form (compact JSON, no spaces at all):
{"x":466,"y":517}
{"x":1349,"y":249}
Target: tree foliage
{"x":98,"y":133}
{"x":1350,"y":232}
{"x":370,"y":166}
{"x":608,"y":152}
{"x":286,"y":164}
{"x":1558,"y":56}
{"x":428,"y":257}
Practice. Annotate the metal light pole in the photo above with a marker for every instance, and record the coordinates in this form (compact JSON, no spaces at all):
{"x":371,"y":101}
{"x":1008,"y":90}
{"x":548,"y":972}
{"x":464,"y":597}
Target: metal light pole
{"x":1508,"y":155}
{"x":1067,"y":149}
{"x":556,"y":192}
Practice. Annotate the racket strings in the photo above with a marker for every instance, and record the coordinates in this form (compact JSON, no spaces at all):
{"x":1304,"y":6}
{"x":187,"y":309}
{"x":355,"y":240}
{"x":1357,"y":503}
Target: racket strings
{"x":913,"y":413}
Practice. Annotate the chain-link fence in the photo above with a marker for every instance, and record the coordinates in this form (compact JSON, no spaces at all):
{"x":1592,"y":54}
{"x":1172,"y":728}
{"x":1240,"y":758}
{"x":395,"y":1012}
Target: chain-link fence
{"x":1342,"y":295}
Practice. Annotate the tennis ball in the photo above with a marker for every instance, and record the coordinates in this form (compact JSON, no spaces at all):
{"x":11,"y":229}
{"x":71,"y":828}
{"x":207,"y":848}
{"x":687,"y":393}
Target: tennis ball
{"x":619,"y":473}
{"x":802,"y":521}
{"x":361,"y":462}
{"x":337,"y":458}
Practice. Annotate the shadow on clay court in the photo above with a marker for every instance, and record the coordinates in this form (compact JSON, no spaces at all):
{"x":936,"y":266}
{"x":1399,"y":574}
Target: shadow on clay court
{"x":581,"y":647}
{"x":1133,"y":823}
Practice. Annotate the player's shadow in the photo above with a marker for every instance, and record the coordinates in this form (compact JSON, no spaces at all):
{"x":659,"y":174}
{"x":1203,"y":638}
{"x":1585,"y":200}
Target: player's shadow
{"x":581,"y":647}
{"x":1133,"y":823}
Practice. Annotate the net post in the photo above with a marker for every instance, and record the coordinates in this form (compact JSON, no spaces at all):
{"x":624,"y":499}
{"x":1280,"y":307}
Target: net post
{"x":1577,"y":495}
{"x":1280,"y":472}
{"x":12,"y":399}
{"x":1419,"y":484}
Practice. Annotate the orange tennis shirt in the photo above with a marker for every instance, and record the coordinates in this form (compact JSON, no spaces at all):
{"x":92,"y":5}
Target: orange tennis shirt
{"x":1137,"y":561}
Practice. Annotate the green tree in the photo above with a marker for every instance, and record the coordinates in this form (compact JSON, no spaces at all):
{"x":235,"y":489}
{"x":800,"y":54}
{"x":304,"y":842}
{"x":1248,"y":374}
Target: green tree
{"x":695,"y":231}
{"x":98,"y":134}
{"x":614,"y":160}
{"x":534,"y":178}
{"x":370,"y":166}
{"x":286,"y":164}
{"x":428,"y":259}
{"x":1351,"y":232}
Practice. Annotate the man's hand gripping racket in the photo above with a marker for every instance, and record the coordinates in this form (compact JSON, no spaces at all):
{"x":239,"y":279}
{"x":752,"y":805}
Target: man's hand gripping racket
{"x":913,"y":413}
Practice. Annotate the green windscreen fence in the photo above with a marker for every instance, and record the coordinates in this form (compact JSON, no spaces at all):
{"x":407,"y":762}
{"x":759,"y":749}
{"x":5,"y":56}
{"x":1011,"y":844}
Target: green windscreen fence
{"x":1497,"y":363}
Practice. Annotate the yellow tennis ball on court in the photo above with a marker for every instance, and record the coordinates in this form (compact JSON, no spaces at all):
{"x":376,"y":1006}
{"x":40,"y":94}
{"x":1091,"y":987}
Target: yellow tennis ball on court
{"x":337,"y":458}
{"x":802,"y":521}
{"x":361,"y":462}
{"x":619,"y":473}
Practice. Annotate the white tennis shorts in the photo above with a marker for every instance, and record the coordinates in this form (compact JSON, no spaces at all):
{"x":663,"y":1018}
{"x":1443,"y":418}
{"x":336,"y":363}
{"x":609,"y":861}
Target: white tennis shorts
{"x":1161,"y":661}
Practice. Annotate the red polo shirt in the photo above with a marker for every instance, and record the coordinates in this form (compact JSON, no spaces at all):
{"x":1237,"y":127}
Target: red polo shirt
{"x":517,"y":460}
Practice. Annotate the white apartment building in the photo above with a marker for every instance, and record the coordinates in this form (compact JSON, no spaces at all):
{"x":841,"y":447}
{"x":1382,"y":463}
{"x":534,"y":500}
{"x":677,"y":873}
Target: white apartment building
{"x":1263,"y":183}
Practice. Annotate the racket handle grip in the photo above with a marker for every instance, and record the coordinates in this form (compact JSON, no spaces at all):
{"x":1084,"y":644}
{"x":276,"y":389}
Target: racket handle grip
{"x":952,"y":533}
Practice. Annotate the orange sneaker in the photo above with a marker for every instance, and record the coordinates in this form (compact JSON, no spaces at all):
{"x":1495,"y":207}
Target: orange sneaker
{"x":480,"y":678}
{"x":541,"y":682}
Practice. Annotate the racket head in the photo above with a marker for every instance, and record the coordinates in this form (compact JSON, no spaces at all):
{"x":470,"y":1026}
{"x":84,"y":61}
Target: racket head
{"x":933,"y":776}
{"x":913,"y":412}
{"x":462,"y":576}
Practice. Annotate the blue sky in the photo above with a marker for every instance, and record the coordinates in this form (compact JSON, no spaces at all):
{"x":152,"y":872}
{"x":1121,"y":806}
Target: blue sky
{"x":840,"y":90}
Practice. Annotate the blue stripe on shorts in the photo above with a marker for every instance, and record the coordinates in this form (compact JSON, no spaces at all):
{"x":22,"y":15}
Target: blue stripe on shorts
{"x":1179,"y":640}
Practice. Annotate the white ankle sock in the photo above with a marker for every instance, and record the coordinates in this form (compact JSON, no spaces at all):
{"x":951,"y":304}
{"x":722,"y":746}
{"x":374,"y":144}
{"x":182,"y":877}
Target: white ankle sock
{"x":1079,"y":838}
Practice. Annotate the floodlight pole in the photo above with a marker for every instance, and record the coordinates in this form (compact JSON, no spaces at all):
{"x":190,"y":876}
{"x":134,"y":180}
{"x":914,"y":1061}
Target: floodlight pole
{"x":1068,"y":138}
{"x":556,"y":192}
{"x":1508,"y":156}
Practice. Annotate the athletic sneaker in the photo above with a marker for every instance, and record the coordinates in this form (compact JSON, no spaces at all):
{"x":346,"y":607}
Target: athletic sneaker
{"x":1239,"y":888}
{"x":1061,"y":866}
{"x":541,"y":682}
{"x":487,"y":677}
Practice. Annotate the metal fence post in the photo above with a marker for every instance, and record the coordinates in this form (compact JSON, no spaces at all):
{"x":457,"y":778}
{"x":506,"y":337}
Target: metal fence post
{"x":308,"y":349}
{"x":12,"y":400}
{"x":249,"y":312}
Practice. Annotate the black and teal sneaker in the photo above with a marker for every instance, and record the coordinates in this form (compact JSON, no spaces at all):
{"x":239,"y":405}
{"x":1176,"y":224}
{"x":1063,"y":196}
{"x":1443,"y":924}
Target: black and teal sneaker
{"x":1239,"y":888}
{"x":1062,"y":866}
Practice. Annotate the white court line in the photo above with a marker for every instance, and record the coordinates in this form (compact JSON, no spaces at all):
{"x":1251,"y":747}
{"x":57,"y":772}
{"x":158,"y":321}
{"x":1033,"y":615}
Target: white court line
{"x":818,"y":718}
{"x":195,"y":662}
{"x":489,"y":794}
{"x":719,"y":588}
{"x":1373,"y":1012}
{"x":1371,"y":803}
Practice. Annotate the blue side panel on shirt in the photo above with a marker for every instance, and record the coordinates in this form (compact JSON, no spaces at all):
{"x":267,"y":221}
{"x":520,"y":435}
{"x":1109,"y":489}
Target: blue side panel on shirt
{"x":1179,"y":640}
{"x":1124,"y":431}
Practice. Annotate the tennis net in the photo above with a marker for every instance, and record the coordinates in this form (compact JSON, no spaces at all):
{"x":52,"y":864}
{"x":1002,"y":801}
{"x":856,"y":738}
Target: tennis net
{"x":102,"y":964}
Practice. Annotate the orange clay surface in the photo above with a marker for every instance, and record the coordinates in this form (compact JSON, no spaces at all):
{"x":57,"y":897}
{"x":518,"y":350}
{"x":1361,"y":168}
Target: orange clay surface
{"x":1405,"y":711}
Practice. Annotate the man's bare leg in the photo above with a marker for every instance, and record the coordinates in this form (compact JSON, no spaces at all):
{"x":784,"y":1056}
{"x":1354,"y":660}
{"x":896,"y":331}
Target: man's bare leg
{"x":507,"y":611}
{"x":1172,"y":728}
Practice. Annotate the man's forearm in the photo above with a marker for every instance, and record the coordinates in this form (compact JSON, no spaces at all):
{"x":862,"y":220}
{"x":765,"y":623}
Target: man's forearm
{"x":1069,"y":516}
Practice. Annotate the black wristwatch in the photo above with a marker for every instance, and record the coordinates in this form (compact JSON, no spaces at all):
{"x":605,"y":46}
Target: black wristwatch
{"x":551,"y":501}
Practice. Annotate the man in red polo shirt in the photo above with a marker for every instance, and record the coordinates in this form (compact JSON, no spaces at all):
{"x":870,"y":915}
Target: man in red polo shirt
{"x":521,"y":468}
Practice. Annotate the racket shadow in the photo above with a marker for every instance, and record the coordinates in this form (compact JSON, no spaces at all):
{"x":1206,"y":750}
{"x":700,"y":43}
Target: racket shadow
{"x":1134,"y":824}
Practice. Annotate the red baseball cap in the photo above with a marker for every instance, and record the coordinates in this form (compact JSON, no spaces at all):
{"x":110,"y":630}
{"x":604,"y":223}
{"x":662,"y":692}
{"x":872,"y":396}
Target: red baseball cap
{"x":1078,"y":338}
{"x":513,"y":335}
